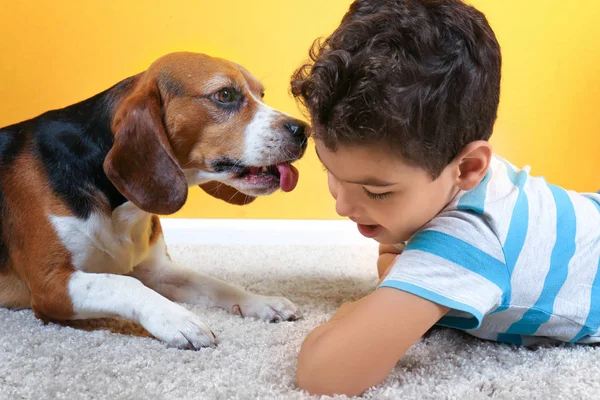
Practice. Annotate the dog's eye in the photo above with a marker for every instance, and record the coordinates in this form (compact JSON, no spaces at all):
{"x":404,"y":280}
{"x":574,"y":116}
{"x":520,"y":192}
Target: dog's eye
{"x":226,"y":95}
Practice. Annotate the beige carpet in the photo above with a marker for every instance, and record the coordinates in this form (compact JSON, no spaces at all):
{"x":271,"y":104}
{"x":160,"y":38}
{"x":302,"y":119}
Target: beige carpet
{"x":109,"y":359}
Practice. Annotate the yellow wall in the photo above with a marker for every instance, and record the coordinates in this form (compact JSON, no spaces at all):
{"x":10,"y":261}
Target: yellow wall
{"x":54,"y":53}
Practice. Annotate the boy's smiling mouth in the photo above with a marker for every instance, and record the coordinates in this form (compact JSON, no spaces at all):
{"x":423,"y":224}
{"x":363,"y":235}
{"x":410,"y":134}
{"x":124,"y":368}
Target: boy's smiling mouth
{"x":369,"y":231}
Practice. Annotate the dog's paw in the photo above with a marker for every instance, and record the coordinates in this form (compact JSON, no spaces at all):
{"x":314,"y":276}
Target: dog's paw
{"x":267,"y":308}
{"x":179,"y":327}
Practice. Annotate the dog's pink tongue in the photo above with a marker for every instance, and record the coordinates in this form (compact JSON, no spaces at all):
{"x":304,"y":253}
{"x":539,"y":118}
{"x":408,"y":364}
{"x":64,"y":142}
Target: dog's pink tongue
{"x":288,"y":176}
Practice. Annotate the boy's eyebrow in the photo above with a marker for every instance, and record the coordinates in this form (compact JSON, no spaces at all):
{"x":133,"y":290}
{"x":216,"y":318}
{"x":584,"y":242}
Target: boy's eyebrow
{"x":372,"y":182}
{"x":365,"y":182}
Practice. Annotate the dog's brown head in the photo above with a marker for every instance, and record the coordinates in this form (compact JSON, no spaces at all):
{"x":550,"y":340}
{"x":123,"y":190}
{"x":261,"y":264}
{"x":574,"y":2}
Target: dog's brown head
{"x":191,"y":119}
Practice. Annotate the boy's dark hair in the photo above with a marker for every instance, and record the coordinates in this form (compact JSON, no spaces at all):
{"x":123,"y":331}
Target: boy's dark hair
{"x":419,"y":77}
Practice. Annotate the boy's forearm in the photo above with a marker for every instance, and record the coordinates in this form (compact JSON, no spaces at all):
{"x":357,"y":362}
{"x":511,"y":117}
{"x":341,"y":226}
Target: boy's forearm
{"x":322,"y":373}
{"x":313,"y":336}
{"x":325,"y":368}
{"x":358,"y":348}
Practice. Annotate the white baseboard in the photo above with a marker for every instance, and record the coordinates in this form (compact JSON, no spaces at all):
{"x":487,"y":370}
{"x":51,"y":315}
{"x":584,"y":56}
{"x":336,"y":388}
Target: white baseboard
{"x":244,"y":231}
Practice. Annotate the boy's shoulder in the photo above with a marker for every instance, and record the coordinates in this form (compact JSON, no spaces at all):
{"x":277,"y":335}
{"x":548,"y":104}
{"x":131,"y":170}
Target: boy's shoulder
{"x":510,"y":205}
{"x":506,"y":184}
{"x":506,"y":188}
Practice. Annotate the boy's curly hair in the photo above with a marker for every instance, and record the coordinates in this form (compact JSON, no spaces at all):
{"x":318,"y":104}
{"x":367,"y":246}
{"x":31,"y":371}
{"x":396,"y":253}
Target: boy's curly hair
{"x":419,"y":77}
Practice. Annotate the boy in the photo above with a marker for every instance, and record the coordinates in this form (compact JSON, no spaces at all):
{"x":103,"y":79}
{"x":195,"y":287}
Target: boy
{"x":403,"y":97}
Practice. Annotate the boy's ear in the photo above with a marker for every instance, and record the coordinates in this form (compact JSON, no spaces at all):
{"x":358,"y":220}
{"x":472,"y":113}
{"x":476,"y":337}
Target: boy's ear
{"x":473,"y":162}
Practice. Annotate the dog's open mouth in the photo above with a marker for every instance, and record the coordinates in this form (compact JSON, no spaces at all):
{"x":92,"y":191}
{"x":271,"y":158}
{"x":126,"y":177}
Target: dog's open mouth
{"x":284,"y":174}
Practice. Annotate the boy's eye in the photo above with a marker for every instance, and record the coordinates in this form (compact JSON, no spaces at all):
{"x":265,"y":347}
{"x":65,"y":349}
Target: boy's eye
{"x":377,"y":196}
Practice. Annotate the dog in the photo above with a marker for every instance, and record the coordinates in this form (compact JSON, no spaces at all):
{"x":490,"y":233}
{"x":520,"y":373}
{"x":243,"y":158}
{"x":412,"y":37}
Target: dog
{"x":81,"y":189}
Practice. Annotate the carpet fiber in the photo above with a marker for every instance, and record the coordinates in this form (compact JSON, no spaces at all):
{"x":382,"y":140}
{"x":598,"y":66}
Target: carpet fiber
{"x":112,"y":359}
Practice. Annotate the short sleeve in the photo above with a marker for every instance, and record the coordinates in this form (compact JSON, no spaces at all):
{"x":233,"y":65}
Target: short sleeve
{"x":456,"y":261}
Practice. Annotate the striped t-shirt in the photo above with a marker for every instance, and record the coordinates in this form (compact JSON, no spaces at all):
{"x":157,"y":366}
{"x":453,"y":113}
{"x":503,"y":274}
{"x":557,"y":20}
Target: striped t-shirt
{"x":515,"y":259}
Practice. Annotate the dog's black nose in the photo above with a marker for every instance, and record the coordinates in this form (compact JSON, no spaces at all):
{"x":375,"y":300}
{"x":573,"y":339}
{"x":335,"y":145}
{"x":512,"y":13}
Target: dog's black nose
{"x":296,"y":128}
{"x":299,"y":131}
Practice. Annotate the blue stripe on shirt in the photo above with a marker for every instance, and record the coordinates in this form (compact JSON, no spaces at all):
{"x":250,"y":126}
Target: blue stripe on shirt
{"x":563,"y":251}
{"x":460,"y":322}
{"x":519,"y":221}
{"x":510,"y":338}
{"x":517,"y":230}
{"x":474,"y":200}
{"x":592,"y":322}
{"x":462,"y":253}
{"x":464,"y":323}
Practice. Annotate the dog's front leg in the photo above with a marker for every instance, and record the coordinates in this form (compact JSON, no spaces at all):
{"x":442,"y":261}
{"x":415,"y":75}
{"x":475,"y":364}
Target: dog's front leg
{"x":187,"y":286}
{"x":102,"y":295}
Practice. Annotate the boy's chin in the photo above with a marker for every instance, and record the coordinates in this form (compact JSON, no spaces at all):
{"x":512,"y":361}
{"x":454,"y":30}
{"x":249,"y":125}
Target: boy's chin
{"x":386,"y":237}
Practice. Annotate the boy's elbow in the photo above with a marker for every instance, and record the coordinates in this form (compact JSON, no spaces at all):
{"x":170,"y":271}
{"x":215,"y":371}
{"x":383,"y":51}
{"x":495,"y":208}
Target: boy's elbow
{"x":319,"y":374}
{"x":322,"y":385}
{"x":306,"y":379}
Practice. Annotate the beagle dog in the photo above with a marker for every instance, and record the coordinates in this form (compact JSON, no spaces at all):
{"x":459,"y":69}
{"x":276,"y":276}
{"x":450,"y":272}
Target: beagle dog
{"x":81,"y":187}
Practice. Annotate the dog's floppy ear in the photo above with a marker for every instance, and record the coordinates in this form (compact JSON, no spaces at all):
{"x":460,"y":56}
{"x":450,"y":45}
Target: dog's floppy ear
{"x":141,"y":163}
{"x":227,"y":193}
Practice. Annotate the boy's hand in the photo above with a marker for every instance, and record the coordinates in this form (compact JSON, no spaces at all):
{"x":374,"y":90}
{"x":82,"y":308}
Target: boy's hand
{"x":363,"y":341}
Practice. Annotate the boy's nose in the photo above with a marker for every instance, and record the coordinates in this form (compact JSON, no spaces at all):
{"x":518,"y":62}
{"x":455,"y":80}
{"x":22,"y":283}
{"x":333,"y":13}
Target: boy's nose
{"x":343,"y":207}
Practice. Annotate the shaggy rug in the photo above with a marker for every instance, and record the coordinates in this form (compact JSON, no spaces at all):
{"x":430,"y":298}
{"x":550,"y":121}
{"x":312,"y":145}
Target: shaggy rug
{"x":114,"y":359}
